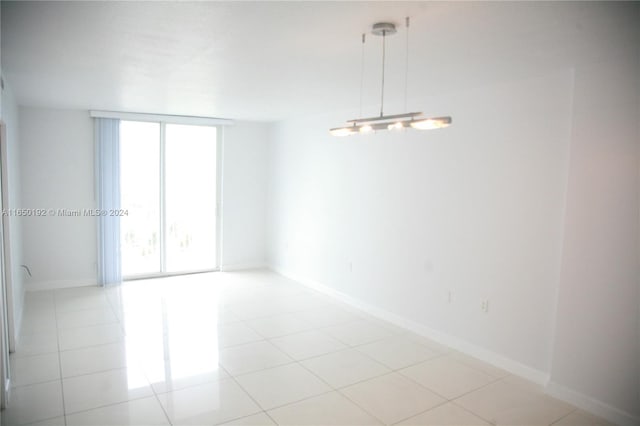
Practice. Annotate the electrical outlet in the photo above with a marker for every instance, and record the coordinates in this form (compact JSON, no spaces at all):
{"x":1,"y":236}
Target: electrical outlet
{"x":350,"y":266}
{"x":484,"y":305}
{"x":449,"y":296}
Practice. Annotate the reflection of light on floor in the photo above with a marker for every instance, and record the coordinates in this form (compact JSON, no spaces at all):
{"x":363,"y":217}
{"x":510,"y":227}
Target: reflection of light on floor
{"x":135,"y":380}
{"x":172,"y":324}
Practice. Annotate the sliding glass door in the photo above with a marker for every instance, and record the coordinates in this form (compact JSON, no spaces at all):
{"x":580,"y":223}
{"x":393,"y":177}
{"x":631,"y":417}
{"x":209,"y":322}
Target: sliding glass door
{"x":169,"y":187}
{"x":190,"y":198}
{"x":140,"y":197}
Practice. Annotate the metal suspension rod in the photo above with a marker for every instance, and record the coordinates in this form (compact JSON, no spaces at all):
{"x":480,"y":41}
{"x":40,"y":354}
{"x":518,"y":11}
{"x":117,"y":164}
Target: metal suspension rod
{"x":384,"y":37}
{"x":362,"y":72}
{"x":406,"y":64}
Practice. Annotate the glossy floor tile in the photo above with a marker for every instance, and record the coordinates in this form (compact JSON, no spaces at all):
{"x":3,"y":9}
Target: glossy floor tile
{"x":29,"y":344}
{"x":359,"y":332}
{"x":392,"y":398}
{"x":506,"y":403}
{"x":75,"y":338}
{"x":208,"y":404}
{"x":33,"y":403}
{"x":345,"y":367}
{"x":581,"y":418}
{"x":144,"y":411}
{"x":85,"y":318}
{"x":479,"y":365}
{"x":447,"y":377}
{"x":94,"y":359}
{"x":260,"y":419}
{"x":398,"y":351}
{"x":105,"y":388}
{"x":182,"y":372}
{"x":447,"y":414}
{"x":38,"y":321}
{"x":328,"y":409}
{"x":55,"y":421}
{"x":279,"y":325}
{"x":282,"y":385}
{"x":35,"y":369}
{"x":247,"y":348}
{"x":329,"y":315}
{"x":252,"y":357}
{"x":236,"y":334}
{"x":307,"y":344}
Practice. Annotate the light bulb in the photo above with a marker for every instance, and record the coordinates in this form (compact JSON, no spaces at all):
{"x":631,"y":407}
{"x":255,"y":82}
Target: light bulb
{"x":365,"y":128}
{"x":343,"y":131}
{"x":431,"y":123}
{"x":395,"y":126}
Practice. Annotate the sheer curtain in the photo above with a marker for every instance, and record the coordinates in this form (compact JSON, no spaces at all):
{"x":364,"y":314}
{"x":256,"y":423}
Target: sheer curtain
{"x":107,"y":168}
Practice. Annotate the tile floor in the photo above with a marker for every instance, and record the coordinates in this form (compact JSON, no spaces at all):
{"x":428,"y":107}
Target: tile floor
{"x":248,"y":348}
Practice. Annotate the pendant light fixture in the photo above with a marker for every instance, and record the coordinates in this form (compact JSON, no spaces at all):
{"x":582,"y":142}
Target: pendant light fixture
{"x":415,"y":120}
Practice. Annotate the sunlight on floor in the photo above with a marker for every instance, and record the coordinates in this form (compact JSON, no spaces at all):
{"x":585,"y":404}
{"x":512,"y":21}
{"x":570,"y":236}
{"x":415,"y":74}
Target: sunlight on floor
{"x":247,"y":348}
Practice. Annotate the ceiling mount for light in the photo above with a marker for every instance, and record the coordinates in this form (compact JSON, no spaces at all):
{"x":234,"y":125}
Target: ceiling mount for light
{"x":415,"y":120}
{"x":383,"y":29}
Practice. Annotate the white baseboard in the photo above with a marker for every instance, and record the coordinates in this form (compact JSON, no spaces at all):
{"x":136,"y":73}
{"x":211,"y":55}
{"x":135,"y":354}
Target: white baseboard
{"x":243,"y":266}
{"x":58,"y":284}
{"x":7,"y":393}
{"x":539,"y":377}
{"x":18,"y":314}
{"x":592,"y":405}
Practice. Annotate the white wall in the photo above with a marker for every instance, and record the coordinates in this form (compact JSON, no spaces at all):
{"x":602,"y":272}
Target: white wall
{"x":11,"y":119}
{"x":530,"y":200}
{"x":597,"y":344}
{"x":244,"y":195}
{"x":418,"y":214}
{"x":57,"y":173}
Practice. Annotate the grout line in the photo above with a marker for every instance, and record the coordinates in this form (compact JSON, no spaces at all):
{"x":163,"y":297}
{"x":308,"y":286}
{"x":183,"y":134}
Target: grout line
{"x":321,"y":329}
{"x":81,"y":348}
{"x":249,"y":395}
{"x":93,"y":346}
{"x":111,"y":404}
{"x":266,"y":413}
{"x":245,"y":299}
{"x":361,"y":407}
{"x":306,"y":398}
{"x":331,"y":388}
{"x":422,"y":412}
{"x":42,"y":420}
{"x":164,"y":411}
{"x":102,"y":372}
{"x":457,"y":404}
{"x":35,"y":384}
{"x":155,"y":394}
{"x":566,"y":415}
{"x":84,"y":327}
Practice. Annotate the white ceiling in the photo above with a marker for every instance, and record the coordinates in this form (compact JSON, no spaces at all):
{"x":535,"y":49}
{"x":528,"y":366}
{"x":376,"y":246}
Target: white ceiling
{"x":272,"y":60}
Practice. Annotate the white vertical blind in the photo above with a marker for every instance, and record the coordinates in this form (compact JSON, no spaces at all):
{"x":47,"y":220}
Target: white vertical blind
{"x":107,"y":156}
